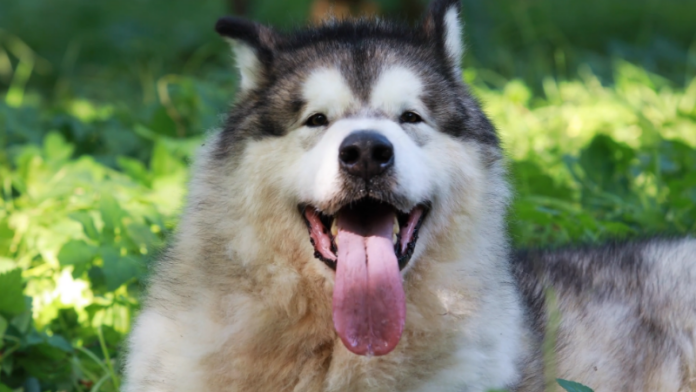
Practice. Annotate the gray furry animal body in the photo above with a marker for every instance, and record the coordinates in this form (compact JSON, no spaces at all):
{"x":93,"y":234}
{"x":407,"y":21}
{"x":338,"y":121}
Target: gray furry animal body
{"x":355,"y":146}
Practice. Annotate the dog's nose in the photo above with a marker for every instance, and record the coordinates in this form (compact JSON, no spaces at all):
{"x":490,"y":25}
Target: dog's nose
{"x":365,"y":154}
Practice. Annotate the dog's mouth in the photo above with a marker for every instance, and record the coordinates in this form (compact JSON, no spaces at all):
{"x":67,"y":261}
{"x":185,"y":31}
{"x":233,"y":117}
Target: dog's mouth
{"x":367,"y":243}
{"x":323,"y":229}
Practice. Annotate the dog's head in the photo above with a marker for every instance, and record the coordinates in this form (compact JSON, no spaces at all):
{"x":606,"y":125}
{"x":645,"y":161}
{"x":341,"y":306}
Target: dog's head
{"x":364,"y":132}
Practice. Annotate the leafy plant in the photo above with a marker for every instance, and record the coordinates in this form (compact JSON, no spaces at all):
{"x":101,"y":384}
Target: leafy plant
{"x":27,"y":355}
{"x":572,"y":386}
{"x":82,"y":232}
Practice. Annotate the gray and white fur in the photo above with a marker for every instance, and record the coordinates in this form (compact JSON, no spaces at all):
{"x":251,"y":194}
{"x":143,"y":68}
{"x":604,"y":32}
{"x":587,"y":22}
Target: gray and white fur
{"x":239,"y":302}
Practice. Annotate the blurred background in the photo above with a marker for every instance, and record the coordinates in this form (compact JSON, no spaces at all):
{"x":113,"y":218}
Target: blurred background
{"x":102,"y":105}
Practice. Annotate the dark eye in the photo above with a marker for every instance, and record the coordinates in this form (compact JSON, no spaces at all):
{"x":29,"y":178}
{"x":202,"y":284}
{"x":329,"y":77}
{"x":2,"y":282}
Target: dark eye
{"x":317,"y":120}
{"x":410,"y":117}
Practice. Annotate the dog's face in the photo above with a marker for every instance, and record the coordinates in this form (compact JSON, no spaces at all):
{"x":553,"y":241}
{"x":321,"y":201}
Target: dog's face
{"x":365,"y":132}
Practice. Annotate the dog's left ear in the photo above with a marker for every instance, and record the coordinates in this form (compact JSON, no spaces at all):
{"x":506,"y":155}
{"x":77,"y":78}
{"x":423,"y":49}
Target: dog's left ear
{"x":443,"y":23}
{"x":253,"y":45}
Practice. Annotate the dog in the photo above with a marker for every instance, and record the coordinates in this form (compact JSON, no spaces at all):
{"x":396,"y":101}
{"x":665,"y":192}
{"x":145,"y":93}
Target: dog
{"x":346,"y":231}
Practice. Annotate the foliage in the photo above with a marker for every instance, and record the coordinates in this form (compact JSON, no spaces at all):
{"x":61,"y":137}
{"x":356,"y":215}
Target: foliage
{"x":592,"y":162}
{"x":82,"y":233}
{"x":36,"y":360}
{"x":572,"y":386}
{"x":99,"y":123}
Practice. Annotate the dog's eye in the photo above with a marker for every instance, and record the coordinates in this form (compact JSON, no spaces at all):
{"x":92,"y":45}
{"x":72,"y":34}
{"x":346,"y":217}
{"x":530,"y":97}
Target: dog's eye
{"x":317,"y":120}
{"x":410,"y":117}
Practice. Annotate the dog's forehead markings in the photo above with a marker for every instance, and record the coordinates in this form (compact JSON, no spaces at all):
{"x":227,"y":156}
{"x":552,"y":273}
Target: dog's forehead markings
{"x":396,"y":89}
{"x":326,"y":90}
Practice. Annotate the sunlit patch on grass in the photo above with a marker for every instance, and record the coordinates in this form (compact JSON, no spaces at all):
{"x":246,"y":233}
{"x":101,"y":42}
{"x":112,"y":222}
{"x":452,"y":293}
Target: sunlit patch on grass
{"x":88,"y":112}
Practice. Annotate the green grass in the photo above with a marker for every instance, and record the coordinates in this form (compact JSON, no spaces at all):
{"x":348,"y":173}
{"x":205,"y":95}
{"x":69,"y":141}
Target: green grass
{"x":99,"y":123}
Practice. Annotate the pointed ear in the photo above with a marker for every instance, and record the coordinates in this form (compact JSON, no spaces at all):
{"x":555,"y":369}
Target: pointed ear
{"x":444,"y":24}
{"x":252,"y":45}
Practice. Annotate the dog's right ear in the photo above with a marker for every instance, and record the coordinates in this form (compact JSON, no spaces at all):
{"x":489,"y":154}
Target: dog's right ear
{"x":443,"y":22}
{"x":252,"y":44}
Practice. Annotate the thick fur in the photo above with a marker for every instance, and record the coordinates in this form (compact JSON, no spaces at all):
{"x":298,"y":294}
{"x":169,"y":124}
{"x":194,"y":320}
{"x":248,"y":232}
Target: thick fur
{"x":238,"y":302}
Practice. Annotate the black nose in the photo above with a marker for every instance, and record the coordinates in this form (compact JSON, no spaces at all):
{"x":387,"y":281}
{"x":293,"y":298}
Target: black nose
{"x":365,"y":154}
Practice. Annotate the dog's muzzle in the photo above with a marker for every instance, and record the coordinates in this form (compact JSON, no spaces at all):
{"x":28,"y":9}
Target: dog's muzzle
{"x":367,"y":241}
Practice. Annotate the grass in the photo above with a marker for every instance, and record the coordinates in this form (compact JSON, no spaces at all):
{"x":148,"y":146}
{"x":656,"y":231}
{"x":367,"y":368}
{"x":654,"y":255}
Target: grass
{"x":99,"y":123}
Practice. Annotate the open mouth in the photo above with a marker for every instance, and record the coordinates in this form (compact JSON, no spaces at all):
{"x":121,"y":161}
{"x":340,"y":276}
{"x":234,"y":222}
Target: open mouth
{"x":323,"y":229}
{"x":367,"y":243}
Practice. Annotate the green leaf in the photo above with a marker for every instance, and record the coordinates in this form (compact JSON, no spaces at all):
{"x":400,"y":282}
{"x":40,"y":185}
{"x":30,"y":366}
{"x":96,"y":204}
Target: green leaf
{"x":119,"y":269}
{"x":34,"y":338}
{"x":6,"y":236}
{"x":111,"y":212}
{"x":60,"y":343}
{"x":606,"y":162}
{"x":66,"y":323}
{"x":22,"y":321}
{"x":162,"y":123}
{"x":87,"y":224}
{"x":11,"y":292}
{"x":7,"y":365}
{"x":56,"y":148}
{"x":79,"y":254}
{"x":3,"y":328}
{"x":96,"y":278}
{"x":32,"y":385}
{"x":76,"y":252}
{"x":141,"y":235}
{"x":5,"y":388}
{"x":530,"y":179}
{"x":135,"y":169}
{"x":163,"y":162}
{"x":572,"y":386}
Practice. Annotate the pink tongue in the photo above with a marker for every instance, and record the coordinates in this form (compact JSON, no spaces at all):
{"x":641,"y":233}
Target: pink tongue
{"x":369,"y":306}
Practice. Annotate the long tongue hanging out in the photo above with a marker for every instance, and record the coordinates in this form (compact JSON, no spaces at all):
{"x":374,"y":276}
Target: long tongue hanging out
{"x":369,"y":305}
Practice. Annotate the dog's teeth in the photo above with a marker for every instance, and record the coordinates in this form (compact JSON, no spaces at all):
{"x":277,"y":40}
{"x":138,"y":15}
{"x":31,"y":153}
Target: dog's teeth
{"x":334,"y":227}
{"x":395,"y":231}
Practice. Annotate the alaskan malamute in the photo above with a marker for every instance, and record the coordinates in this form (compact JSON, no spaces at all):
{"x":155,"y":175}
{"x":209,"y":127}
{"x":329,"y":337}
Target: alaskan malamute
{"x":346,"y":231}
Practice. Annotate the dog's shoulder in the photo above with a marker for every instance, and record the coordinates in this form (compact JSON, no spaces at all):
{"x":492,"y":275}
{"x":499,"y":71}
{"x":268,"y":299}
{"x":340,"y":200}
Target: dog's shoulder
{"x":617,"y":312}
